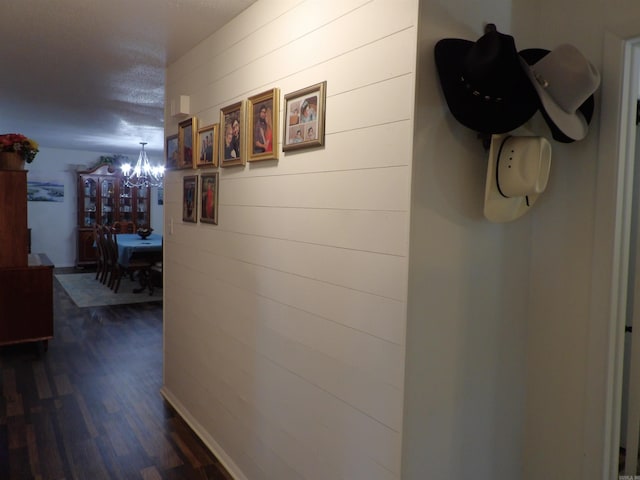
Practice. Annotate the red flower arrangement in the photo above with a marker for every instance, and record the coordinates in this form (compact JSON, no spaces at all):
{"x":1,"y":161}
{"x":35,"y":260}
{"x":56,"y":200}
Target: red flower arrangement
{"x":16,"y":142}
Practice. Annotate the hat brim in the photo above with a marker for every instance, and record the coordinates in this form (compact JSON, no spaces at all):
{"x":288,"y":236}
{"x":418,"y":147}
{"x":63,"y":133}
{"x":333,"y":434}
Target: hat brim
{"x":565,"y":127}
{"x":498,"y":208}
{"x":473,"y":111}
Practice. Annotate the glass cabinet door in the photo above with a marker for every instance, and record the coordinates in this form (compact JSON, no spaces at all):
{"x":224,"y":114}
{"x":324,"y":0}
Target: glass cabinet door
{"x":142,"y":200}
{"x":107,"y":193}
{"x":90,"y":201}
{"x":125,"y":206}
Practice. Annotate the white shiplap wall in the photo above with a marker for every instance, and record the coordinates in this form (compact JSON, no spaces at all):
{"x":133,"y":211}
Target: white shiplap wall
{"x":285,"y":323}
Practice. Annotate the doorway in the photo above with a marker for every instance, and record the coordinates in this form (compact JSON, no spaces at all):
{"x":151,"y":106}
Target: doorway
{"x":619,"y":178}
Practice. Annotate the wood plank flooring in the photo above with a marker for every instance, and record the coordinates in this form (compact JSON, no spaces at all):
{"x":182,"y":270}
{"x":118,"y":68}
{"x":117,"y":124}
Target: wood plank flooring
{"x":89,"y":408}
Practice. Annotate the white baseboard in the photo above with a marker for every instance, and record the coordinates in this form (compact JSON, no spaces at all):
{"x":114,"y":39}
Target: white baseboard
{"x":211,"y":444}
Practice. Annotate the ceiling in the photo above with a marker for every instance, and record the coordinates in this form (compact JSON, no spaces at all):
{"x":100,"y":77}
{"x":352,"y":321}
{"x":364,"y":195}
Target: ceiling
{"x":89,"y":74}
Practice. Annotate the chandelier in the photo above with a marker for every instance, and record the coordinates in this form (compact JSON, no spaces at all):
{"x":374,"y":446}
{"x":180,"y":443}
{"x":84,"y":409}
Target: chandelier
{"x":143,"y":174}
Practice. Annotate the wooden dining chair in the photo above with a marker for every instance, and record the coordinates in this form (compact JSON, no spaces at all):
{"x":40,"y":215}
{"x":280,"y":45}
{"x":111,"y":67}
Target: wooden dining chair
{"x":100,"y":256}
{"x":124,"y":227}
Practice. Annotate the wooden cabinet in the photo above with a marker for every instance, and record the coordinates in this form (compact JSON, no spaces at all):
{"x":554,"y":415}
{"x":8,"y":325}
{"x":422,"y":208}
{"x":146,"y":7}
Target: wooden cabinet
{"x":14,"y":242}
{"x":104,"y":198}
{"x":26,"y":281}
{"x":26,"y":301}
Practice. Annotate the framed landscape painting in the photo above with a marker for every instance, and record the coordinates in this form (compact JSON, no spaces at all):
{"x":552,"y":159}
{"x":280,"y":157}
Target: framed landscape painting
{"x":304,"y":113}
{"x":262,"y":126}
{"x":231,"y":135}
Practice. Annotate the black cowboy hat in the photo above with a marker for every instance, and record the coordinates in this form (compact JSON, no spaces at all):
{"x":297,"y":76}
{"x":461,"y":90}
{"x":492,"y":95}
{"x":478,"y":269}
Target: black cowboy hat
{"x":485,"y":83}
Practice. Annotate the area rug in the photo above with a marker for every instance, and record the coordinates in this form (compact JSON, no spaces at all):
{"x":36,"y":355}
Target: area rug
{"x":86,"y":291}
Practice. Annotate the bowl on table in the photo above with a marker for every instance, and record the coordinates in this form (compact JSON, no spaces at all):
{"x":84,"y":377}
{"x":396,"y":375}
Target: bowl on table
{"x":144,"y":232}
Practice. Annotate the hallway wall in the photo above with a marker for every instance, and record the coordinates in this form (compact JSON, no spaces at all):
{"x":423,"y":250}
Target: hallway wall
{"x":285,"y":323}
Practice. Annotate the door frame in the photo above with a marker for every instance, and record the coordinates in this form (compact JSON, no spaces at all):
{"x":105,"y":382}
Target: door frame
{"x":613,"y":222}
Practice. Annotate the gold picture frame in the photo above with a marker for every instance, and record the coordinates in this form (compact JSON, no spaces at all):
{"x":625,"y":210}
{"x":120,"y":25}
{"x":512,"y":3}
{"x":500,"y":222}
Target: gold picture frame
{"x":232,"y":135}
{"x":172,"y":152}
{"x":262,"y":126}
{"x":304,"y":118}
{"x":209,"y":197}
{"x":207,"y":146}
{"x":187,"y":134}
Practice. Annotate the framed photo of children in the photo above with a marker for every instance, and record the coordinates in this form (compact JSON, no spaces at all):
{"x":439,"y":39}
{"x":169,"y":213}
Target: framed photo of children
{"x":172,"y":152}
{"x":304,"y":112}
{"x":190,"y":198}
{"x":207,"y":143}
{"x":262,"y":126}
{"x":231,"y":135}
{"x":187,"y":133}
{"x":209,"y":198}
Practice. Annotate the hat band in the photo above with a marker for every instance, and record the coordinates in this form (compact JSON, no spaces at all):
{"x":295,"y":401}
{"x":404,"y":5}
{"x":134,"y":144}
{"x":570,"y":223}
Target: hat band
{"x":477,"y":93}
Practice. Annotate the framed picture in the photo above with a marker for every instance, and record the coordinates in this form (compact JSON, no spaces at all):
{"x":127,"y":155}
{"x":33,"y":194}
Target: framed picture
{"x":187,"y":132}
{"x":172,"y":152}
{"x":262,"y":126}
{"x":231,"y":135}
{"x":207,"y":143}
{"x":190,"y":198}
{"x":304,"y":112}
{"x":209,"y":198}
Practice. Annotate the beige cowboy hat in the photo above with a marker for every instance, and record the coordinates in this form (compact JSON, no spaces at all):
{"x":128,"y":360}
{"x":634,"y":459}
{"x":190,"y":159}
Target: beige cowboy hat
{"x":517,"y":174}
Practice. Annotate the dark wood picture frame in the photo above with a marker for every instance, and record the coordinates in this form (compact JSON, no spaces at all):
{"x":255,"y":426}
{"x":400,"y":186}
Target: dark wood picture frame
{"x":190,"y":198}
{"x":304,"y":118}
{"x":209,"y":197}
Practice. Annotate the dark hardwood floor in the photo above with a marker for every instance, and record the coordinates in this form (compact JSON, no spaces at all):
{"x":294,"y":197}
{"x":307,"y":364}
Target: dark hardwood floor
{"x":89,"y":408}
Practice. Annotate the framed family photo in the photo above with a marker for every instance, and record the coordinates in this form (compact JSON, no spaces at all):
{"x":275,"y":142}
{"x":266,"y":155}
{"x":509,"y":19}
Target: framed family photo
{"x":187,"y":132}
{"x":172,"y":152}
{"x":190,"y":198}
{"x":207,"y":146}
{"x":209,"y":198}
{"x":304,"y":113}
{"x":231,"y":135}
{"x":262,"y":126}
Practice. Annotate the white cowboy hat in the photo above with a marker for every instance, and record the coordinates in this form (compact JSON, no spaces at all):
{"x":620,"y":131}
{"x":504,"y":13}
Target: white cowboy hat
{"x":564,"y":80}
{"x":517,"y":174}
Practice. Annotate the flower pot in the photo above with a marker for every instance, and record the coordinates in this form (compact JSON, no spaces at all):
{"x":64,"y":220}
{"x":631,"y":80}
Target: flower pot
{"x":11,"y":161}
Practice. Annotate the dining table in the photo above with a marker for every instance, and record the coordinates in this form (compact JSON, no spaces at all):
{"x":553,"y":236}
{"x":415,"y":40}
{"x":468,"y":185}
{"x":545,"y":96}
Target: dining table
{"x":130,"y":244}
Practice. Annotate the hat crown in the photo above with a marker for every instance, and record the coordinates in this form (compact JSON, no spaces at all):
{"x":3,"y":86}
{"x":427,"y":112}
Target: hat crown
{"x":523,"y":165}
{"x":489,"y":64}
{"x":567,"y":76}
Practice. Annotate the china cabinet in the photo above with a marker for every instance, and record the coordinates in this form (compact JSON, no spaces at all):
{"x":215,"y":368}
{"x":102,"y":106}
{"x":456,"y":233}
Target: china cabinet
{"x":103,"y":199}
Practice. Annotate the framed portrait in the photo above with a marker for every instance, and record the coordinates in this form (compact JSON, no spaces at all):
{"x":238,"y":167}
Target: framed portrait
{"x":190,"y":198}
{"x":304,"y":112}
{"x":231,"y":135}
{"x":209,"y":198}
{"x":262,"y":126}
{"x":172,"y":152}
{"x":207,"y":146}
{"x":187,"y":133}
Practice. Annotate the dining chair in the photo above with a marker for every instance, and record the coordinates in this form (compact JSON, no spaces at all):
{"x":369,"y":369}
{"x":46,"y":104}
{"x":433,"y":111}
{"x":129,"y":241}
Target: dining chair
{"x":100,"y":256}
{"x":123,"y":227}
